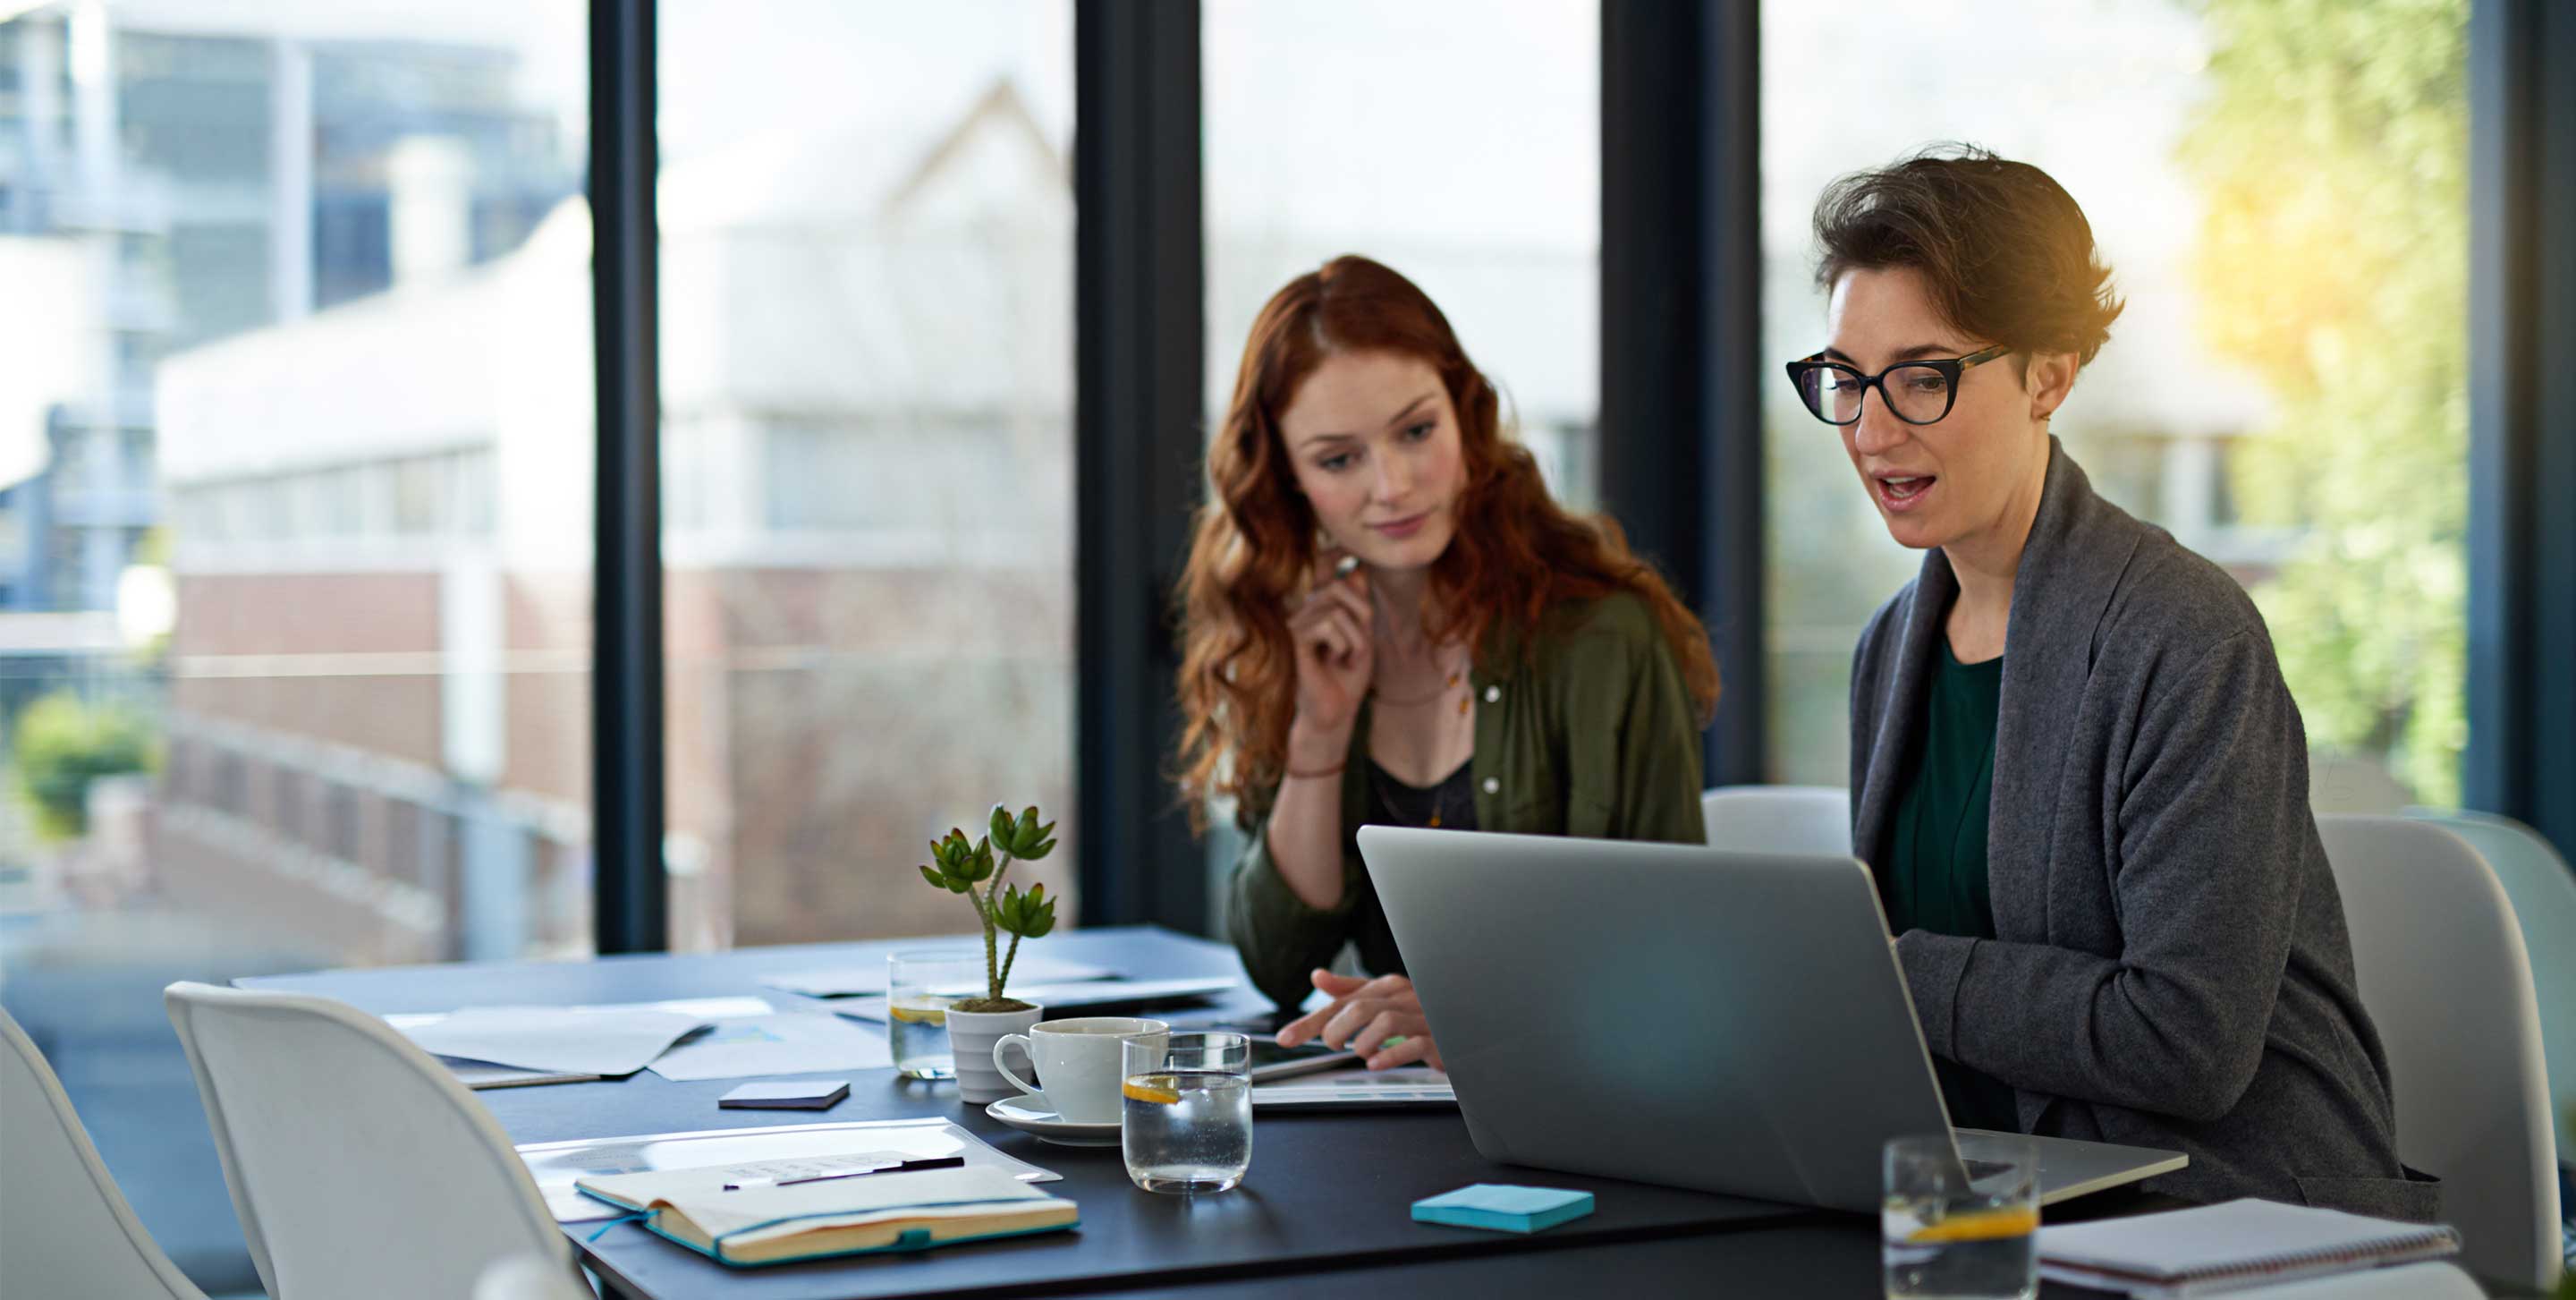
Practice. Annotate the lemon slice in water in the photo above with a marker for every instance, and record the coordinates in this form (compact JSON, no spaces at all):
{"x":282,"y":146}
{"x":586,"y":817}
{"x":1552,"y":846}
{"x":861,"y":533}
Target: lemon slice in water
{"x":1981,"y":1225}
{"x":1156,"y":1088}
{"x":920,"y":1015}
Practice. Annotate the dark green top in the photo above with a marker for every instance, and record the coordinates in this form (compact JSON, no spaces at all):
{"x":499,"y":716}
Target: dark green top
{"x":1587,"y":732}
{"x":1936,"y":877}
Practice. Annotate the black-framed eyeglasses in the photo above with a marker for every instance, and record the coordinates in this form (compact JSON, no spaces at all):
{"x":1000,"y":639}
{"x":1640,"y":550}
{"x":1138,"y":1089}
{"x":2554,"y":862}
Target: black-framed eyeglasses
{"x":1917,"y":392}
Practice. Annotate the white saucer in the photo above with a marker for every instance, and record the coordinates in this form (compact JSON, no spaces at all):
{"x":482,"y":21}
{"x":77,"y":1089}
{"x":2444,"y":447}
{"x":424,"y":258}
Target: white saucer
{"x":1029,"y":1115}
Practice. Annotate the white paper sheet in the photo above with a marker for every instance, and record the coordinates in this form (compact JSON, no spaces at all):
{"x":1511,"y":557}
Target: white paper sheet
{"x":556,"y":1165}
{"x":847,"y":981}
{"x":703,"y":1008}
{"x":483,"y":1074}
{"x":1066,"y":998}
{"x":1408,"y":1085}
{"x":555,"y":1038}
{"x":786,"y":1043}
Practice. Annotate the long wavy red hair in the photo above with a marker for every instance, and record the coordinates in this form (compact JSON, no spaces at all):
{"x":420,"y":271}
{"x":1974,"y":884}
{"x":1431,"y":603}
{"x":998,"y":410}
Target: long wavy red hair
{"x":1515,"y":553}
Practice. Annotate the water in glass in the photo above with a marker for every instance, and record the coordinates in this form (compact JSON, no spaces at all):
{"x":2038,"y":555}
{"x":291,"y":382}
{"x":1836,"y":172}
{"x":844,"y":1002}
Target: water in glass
{"x":917,"y":1032}
{"x":1960,"y":1226}
{"x":1187,"y":1130}
{"x":919,"y":988}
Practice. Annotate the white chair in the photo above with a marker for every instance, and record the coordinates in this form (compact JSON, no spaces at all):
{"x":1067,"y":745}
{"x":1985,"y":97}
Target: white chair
{"x":64,"y":1228}
{"x":1813,"y":819}
{"x":359,"y":1165}
{"x":2543,"y":893}
{"x":529,"y":1277}
{"x":2443,"y":974}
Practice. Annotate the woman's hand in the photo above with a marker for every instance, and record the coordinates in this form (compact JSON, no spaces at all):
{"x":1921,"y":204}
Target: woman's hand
{"x":1334,"y":630}
{"x":1364,"y":1016}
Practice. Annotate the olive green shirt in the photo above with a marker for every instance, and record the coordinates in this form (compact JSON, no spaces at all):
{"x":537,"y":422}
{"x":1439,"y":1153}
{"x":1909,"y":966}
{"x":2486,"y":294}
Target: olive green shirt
{"x":1936,"y":876}
{"x":1591,"y":733}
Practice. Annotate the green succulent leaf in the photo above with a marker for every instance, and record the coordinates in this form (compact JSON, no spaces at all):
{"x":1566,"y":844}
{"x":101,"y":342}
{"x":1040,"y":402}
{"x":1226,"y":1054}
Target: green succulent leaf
{"x":958,"y":864}
{"x":1027,"y":915}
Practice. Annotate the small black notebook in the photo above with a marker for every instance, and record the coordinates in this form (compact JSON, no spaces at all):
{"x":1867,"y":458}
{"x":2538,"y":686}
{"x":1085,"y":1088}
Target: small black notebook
{"x":820,"y":1094}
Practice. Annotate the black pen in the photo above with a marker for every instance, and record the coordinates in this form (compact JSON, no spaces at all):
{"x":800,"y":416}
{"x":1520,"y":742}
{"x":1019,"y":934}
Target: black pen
{"x":906,"y":1167}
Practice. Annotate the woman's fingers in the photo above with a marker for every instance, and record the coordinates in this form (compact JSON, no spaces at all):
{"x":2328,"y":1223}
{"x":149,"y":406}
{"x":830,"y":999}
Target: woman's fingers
{"x":1341,"y":596}
{"x":1330,"y":631}
{"x":1390,"y":986}
{"x":1384,"y":993}
{"x":1355,"y":1016}
{"x":1412,"y":1049}
{"x":1386,"y":1024}
{"x":1305,"y":1027}
{"x":1338,"y":985}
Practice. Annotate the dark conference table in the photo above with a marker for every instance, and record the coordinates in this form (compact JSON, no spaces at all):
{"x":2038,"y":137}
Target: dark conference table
{"x":1327,"y":1202}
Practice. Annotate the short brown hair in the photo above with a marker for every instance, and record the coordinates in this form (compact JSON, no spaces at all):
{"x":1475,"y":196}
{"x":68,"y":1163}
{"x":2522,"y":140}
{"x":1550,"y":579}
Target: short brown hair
{"x":2004,"y":251}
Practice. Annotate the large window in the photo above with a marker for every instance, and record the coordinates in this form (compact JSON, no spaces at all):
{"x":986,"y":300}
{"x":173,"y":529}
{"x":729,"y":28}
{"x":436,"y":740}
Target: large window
{"x":2283,"y":203}
{"x":1453,"y":140}
{"x":867,"y":360}
{"x":294,"y":546}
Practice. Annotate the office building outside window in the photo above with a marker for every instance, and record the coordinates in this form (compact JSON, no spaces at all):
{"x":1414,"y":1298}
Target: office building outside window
{"x":2283,"y":204}
{"x":295,"y":431}
{"x":1454,"y":141}
{"x":1462,"y":149}
{"x":867,"y":364}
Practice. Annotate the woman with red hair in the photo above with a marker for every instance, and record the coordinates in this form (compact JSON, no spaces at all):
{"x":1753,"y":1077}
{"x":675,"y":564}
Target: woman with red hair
{"x":1388,"y":621}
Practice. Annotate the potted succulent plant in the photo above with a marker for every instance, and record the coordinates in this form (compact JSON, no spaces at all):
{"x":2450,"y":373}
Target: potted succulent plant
{"x":975,"y":869}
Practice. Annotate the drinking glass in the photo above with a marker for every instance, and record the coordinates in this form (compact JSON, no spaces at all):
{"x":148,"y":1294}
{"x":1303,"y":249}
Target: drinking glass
{"x":1961,"y":1222}
{"x":1186,"y":1110}
{"x":919,"y":987}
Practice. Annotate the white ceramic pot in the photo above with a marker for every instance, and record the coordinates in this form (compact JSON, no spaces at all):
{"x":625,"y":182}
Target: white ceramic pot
{"x":971,"y":1035}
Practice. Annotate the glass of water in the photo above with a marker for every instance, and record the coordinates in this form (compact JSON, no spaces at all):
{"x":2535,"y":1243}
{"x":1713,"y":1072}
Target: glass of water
{"x":1961,"y":1221}
{"x":1185,"y":1114}
{"x":919,"y":987}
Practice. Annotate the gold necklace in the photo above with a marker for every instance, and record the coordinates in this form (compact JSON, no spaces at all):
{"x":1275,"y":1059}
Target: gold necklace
{"x":1456,"y":676}
{"x":1439,"y":795}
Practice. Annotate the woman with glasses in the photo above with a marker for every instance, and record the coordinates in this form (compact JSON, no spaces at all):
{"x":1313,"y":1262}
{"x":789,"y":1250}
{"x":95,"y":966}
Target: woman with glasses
{"x":2076,"y":769}
{"x":1386,"y":619}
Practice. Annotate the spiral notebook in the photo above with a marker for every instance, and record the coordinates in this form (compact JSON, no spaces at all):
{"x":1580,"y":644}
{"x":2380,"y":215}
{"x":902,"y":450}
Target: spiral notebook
{"x":2211,"y":1249}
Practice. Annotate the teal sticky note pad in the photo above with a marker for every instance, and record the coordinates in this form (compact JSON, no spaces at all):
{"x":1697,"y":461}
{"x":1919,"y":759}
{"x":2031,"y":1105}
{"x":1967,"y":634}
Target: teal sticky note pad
{"x":1500,"y":1207}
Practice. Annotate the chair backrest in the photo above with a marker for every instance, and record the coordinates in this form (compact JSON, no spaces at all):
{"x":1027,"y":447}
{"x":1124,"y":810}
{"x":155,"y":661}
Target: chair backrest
{"x":2443,"y":974}
{"x":358,"y":1164}
{"x":1779,"y":818}
{"x":2543,"y":892}
{"x":64,"y":1228}
{"x":529,"y":1277}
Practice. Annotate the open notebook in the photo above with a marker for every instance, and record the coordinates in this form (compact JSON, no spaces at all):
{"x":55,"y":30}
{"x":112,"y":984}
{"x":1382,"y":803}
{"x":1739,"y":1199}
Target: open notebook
{"x":2209,"y":1249}
{"x":774,"y":1223}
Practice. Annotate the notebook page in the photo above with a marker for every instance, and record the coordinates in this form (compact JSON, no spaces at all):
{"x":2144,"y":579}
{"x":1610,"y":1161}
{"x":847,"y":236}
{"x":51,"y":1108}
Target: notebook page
{"x":2227,"y":1237}
{"x":935,"y":1192}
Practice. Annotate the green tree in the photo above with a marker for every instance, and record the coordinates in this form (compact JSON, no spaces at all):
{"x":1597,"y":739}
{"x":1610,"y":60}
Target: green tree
{"x":2333,"y":259}
{"x":62,"y":745}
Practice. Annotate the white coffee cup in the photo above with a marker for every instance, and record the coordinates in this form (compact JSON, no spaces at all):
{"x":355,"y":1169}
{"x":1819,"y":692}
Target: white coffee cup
{"x":1079,"y":1061}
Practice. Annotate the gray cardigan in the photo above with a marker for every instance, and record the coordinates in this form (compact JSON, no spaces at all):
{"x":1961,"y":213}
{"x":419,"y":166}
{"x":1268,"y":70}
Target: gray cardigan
{"x":2170,"y":967}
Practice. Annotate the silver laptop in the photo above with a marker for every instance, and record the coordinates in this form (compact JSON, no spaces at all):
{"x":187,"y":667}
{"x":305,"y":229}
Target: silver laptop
{"x":1733,"y":1022}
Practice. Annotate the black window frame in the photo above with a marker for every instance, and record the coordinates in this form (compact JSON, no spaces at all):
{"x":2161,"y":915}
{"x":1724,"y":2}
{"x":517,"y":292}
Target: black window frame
{"x":1681,"y":456}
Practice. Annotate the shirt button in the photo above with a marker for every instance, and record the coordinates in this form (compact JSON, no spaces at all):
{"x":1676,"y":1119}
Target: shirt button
{"x":1492,"y":785}
{"x":1493,"y":693}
